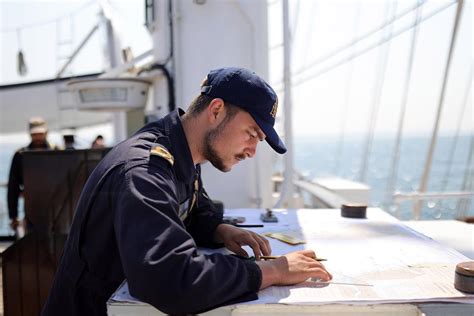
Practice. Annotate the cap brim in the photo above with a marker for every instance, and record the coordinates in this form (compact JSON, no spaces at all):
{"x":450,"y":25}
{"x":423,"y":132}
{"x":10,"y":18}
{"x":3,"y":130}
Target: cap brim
{"x":272,"y":137}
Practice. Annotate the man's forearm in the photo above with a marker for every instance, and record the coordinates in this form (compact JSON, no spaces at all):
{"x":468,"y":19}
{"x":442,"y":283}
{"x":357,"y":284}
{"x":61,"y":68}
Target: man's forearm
{"x":269,"y":273}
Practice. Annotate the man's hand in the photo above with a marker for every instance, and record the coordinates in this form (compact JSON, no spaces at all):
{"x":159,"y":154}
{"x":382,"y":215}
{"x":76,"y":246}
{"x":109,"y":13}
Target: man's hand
{"x":292,"y":268}
{"x":234,"y":238}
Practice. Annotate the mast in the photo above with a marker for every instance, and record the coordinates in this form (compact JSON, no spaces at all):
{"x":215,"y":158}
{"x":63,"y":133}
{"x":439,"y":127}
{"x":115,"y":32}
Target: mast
{"x":392,"y":179}
{"x":289,"y":172}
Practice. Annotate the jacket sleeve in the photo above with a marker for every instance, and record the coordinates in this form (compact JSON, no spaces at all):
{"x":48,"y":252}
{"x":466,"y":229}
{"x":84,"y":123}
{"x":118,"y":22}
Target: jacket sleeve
{"x":15,"y":183}
{"x":159,"y":257}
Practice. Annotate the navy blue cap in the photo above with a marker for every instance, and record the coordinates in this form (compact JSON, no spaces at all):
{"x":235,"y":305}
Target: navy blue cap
{"x":245,"y":89}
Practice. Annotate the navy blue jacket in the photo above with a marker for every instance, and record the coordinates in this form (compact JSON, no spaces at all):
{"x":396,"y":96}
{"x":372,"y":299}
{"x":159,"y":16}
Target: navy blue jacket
{"x":15,"y":178}
{"x":133,"y":222}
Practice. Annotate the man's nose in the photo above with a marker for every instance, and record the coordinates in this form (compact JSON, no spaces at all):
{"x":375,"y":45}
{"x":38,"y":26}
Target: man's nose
{"x":251,"y":150}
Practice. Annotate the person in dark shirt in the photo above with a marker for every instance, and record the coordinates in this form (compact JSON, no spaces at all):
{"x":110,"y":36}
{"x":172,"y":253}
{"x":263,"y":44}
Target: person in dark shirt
{"x":143,"y":212}
{"x":38,"y":133}
{"x":69,"y":142}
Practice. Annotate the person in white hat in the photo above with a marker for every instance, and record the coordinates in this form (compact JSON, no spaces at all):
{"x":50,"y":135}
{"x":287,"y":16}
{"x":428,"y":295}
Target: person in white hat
{"x":38,"y":132}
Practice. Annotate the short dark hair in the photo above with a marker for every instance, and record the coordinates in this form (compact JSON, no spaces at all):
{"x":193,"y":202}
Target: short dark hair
{"x":202,"y":101}
{"x":199,"y":104}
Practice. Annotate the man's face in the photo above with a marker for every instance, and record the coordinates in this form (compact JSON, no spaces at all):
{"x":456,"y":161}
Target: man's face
{"x":38,"y":139}
{"x":232,"y":141}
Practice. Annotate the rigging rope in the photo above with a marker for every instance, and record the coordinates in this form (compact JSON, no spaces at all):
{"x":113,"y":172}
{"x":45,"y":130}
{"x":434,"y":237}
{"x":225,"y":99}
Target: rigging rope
{"x":392,"y":179}
{"x":375,"y":107}
{"x":314,"y":7}
{"x":341,"y":48}
{"x":55,"y":20}
{"x":381,"y":42}
{"x":345,"y":105}
{"x":429,"y":157}
{"x":445,"y":179}
{"x":467,"y":182}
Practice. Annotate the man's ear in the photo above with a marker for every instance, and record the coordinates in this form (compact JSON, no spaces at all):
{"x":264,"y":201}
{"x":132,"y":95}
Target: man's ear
{"x":215,"y":111}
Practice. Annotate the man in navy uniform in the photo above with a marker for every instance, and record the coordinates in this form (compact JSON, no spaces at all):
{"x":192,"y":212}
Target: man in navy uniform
{"x":144,"y":211}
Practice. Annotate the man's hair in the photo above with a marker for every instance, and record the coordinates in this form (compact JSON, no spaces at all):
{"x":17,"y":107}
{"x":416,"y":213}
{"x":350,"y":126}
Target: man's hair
{"x":199,"y":104}
{"x":202,"y":101}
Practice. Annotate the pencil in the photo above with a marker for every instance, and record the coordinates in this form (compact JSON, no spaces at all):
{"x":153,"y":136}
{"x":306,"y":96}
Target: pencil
{"x":248,"y":225}
{"x":275,"y":257}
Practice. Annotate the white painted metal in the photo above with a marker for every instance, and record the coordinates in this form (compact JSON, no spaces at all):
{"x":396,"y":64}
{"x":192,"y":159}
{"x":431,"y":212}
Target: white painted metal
{"x":161,"y":36}
{"x":19,"y":103}
{"x":109,"y":94}
{"x":350,"y":191}
{"x":287,"y":194}
{"x":208,"y":36}
{"x":117,"y":309}
{"x":119,"y":119}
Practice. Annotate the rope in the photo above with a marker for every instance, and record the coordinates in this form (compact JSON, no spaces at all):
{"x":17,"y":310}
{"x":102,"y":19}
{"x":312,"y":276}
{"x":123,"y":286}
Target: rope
{"x":344,"y":108}
{"x":467,"y":182}
{"x":381,"y":42}
{"x":445,"y":179}
{"x":338,"y":50}
{"x":429,"y":157}
{"x":396,"y":152}
{"x":314,"y":6}
{"x":382,"y":67}
{"x":55,"y":20}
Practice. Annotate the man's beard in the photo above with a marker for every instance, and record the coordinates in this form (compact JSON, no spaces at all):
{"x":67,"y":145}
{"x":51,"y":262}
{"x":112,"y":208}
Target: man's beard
{"x":210,"y":154}
{"x":35,"y":144}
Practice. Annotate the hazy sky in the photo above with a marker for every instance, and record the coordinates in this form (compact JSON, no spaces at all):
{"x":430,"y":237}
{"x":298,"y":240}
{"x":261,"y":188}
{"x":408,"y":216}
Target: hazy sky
{"x":323,"y":104}
{"x":347,"y":94}
{"x":48,"y":30}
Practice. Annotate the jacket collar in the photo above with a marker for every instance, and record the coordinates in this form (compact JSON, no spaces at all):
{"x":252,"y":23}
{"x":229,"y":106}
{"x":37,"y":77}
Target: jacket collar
{"x":183,"y":166}
{"x":45,"y":145}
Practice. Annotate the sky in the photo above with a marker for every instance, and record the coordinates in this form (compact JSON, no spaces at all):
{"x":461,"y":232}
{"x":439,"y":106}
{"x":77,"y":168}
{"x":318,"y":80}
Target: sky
{"x":343,"y":98}
{"x":330,"y":103}
{"x":48,"y":30}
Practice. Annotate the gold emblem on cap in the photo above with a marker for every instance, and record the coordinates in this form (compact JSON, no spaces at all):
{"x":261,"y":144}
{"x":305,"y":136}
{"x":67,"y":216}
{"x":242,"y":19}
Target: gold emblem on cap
{"x":162,"y":152}
{"x":274,"y":110}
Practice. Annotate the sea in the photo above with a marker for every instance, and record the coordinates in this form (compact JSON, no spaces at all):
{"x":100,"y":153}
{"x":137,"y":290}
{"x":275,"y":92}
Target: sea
{"x":316,"y":157}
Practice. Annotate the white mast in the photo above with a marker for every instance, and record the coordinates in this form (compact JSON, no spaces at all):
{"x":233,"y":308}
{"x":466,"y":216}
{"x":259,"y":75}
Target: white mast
{"x":289,"y":172}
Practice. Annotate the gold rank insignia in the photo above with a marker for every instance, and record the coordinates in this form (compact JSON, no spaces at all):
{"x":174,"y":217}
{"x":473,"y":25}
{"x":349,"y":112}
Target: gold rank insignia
{"x":274,"y":110}
{"x":162,"y":152}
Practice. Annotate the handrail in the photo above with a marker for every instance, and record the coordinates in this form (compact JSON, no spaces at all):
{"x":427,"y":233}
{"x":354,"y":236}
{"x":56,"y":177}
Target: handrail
{"x":419,"y":196}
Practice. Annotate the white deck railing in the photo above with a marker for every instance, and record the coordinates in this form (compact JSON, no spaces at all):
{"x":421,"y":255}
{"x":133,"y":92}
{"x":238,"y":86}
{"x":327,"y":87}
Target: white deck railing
{"x":398,"y":198}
